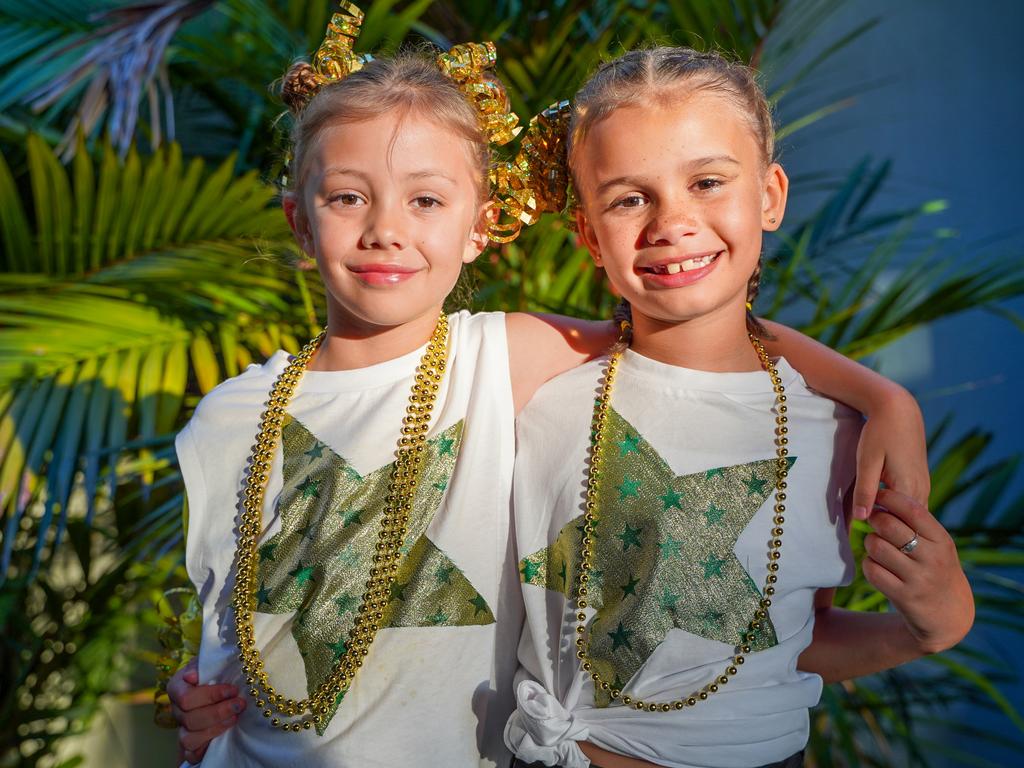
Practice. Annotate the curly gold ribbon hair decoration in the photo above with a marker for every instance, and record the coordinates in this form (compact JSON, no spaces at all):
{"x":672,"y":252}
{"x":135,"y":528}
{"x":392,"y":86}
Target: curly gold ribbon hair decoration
{"x":537,"y":181}
{"x":468,"y":66}
{"x":334,"y":58}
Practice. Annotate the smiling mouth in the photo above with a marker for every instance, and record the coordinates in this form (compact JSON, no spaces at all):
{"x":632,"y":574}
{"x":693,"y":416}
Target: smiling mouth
{"x":382,"y":268}
{"x":682,"y":265}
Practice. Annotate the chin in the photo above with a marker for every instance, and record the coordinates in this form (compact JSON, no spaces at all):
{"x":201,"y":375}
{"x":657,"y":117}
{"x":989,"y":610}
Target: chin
{"x":674,"y":309}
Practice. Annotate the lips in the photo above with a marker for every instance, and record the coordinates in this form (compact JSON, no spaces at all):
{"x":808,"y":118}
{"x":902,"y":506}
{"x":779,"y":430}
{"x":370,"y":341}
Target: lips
{"x":382,"y":274}
{"x":679,"y":271}
{"x":682,"y":264}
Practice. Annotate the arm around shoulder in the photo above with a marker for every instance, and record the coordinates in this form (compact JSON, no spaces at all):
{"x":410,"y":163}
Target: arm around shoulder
{"x":892,"y":446}
{"x":542,"y":346}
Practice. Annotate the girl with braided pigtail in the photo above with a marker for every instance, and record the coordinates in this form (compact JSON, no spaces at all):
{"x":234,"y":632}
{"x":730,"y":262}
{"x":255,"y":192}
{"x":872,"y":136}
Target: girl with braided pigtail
{"x":680,"y":534}
{"x":349,"y":532}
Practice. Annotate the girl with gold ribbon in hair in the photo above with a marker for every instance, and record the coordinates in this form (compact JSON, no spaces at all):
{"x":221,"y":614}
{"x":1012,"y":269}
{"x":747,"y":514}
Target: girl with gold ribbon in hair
{"x":349,"y":505}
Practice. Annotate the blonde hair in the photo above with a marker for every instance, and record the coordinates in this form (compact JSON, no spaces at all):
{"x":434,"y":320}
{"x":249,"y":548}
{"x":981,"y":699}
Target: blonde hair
{"x":407,"y":82}
{"x":658,"y":75}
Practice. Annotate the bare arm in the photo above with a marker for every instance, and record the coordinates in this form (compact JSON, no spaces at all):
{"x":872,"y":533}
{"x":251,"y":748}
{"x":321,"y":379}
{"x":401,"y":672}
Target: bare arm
{"x":542,"y":346}
{"x":850,"y":644}
{"x":932,"y":600}
{"x":892,"y":446}
{"x":831,"y":373}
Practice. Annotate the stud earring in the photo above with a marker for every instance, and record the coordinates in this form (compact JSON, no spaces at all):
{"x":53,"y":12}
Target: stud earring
{"x":771,"y":220}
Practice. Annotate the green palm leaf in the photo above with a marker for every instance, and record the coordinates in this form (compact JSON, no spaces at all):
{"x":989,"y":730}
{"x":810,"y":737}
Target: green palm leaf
{"x":121,"y":284}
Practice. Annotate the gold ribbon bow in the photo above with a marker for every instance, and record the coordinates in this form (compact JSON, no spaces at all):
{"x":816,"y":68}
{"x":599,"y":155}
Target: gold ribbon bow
{"x":468,"y":64}
{"x":334,"y":58}
{"x":537,"y":181}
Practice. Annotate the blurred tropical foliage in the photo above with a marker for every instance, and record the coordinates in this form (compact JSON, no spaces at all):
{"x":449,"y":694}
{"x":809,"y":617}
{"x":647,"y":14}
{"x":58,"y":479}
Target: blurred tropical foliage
{"x":143,"y":259}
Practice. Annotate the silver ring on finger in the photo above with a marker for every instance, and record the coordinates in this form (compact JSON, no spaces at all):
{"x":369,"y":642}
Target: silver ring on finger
{"x":910,"y":546}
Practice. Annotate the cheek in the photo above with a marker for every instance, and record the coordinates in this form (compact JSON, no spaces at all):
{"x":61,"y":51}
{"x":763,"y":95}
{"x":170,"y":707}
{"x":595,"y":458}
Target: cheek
{"x":738,"y":219}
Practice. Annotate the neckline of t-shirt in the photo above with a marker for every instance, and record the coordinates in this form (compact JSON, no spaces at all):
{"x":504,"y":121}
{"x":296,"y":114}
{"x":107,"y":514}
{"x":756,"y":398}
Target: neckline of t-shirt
{"x":381,"y":374}
{"x":731,"y":382}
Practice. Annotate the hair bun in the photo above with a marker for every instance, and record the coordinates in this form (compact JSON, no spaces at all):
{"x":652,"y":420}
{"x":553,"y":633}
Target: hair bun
{"x":300,"y":84}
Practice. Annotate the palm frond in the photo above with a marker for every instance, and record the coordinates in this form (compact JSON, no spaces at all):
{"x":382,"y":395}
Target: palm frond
{"x":121,"y":285}
{"x":111,"y":63}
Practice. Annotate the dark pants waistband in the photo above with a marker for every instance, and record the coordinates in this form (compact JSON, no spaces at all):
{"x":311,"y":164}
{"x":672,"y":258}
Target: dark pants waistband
{"x":793,"y":761}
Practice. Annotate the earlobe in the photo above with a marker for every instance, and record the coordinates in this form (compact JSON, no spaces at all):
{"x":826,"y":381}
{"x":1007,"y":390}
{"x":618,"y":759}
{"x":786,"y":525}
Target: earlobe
{"x":299,"y":224}
{"x":773,"y":201}
{"x":478,"y":236}
{"x":588,"y":237}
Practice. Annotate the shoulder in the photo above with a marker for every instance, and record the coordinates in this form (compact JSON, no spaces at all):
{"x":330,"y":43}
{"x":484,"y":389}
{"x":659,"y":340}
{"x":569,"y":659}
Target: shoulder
{"x":477,"y":327}
{"x":543,"y":346}
{"x":226,"y":406}
{"x":564,"y":401}
{"x":813,"y":402}
{"x":585,"y":338}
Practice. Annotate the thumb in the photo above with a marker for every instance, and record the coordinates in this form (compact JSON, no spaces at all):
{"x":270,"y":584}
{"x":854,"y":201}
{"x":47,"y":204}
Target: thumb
{"x":869,"y":473}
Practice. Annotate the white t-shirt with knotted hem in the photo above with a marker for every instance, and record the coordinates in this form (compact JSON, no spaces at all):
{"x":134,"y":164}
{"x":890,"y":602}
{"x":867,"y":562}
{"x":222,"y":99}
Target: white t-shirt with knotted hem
{"x":681,"y":553}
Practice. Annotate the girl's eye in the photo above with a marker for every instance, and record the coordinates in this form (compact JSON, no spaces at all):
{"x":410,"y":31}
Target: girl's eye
{"x":630,"y":201}
{"x":346,"y":199}
{"x":425,"y":201}
{"x":708,"y":184}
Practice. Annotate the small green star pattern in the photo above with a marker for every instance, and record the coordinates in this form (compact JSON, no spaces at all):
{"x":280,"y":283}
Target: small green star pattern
{"x":665,"y":548}
{"x":316,"y":566}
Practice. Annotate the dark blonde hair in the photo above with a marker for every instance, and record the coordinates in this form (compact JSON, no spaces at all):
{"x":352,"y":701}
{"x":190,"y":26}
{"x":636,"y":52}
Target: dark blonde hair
{"x":407,"y":82}
{"x":659,"y":75}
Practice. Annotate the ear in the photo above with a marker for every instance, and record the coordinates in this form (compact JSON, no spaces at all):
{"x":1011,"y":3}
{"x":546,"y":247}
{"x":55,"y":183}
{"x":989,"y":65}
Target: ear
{"x":299,"y":223}
{"x":587,"y":236}
{"x":773,"y":199}
{"x":478,"y":238}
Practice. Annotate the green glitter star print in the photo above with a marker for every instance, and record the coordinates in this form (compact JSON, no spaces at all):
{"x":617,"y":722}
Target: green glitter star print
{"x":317,"y":565}
{"x":663,"y":554}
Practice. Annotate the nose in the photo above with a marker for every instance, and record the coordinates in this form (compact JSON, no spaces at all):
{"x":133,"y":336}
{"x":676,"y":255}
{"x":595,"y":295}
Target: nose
{"x":384,"y":229}
{"x":670,"y":225}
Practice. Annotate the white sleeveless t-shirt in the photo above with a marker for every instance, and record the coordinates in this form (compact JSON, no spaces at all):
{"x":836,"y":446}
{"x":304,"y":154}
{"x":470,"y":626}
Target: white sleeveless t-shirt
{"x":435,"y":688}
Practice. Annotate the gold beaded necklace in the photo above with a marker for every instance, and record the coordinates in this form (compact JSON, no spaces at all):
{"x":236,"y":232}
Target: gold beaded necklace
{"x":394,"y":522}
{"x":601,"y":405}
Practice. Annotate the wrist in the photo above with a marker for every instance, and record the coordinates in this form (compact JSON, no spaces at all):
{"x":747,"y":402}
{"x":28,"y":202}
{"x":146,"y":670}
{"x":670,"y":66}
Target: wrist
{"x":887,"y":398}
{"x":915,"y":645}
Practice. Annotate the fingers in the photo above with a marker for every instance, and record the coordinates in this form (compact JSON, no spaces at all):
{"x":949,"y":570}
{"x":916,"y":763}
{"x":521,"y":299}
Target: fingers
{"x":869,"y":473}
{"x":884,"y":580}
{"x":203,"y":718}
{"x":913,"y":513}
{"x":193,"y":744}
{"x":891,"y":528}
{"x":189,"y":697}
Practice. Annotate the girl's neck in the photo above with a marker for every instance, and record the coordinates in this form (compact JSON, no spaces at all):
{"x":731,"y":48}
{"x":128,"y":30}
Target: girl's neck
{"x":715,"y":342}
{"x":351,"y":343}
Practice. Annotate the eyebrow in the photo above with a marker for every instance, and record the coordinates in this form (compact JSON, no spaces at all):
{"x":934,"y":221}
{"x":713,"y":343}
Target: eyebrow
{"x":337,"y":170}
{"x":701,"y":162}
{"x":636,"y":181}
{"x":430,"y":173}
{"x":422,"y":174}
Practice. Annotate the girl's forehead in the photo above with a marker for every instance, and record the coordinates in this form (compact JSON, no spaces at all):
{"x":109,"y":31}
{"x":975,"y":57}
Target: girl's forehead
{"x":402,"y":143}
{"x":697,"y":124}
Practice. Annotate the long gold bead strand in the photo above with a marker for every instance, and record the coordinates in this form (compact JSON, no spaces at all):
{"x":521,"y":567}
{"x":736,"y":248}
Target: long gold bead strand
{"x":590,"y":520}
{"x":410,"y":457}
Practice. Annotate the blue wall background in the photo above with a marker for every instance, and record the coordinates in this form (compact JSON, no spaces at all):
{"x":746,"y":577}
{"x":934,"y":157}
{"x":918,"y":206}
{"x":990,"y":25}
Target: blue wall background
{"x":946,"y":104}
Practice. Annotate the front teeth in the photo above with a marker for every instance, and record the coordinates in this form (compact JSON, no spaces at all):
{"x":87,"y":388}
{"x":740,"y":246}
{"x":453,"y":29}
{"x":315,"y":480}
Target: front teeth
{"x":686,"y":266}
